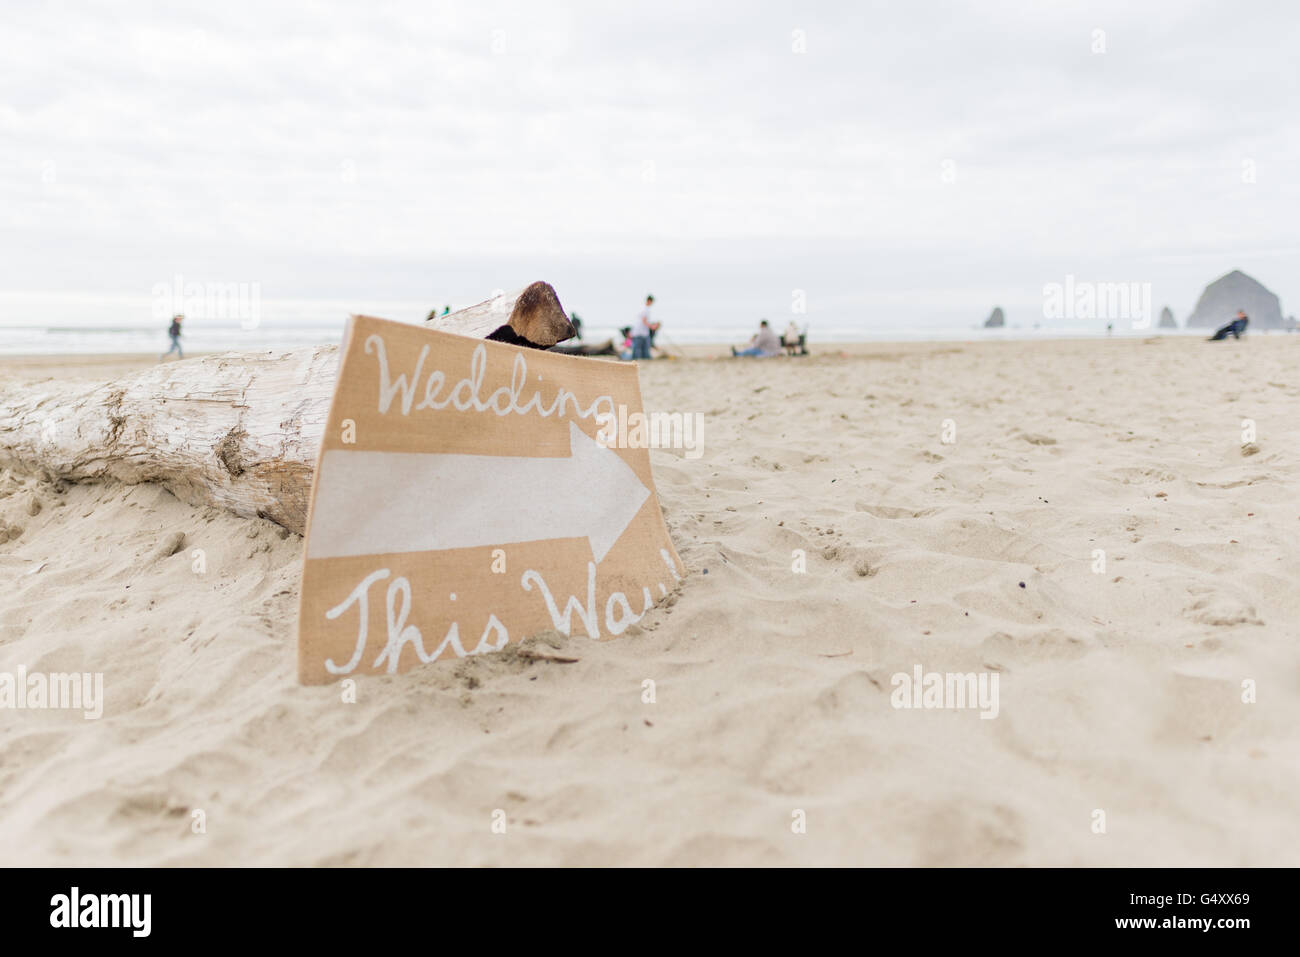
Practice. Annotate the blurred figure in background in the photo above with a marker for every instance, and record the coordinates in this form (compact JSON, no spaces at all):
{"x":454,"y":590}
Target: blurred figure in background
{"x":643,"y":330}
{"x":763,"y":345}
{"x":1236,"y":328}
{"x":174,"y":331}
{"x":794,"y":340}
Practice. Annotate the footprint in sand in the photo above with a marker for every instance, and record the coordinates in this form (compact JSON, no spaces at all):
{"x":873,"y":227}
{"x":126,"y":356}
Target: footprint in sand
{"x":1050,"y":645}
{"x":1199,"y":709}
{"x":965,"y":833}
{"x":888,"y":511}
{"x":1221,"y":611}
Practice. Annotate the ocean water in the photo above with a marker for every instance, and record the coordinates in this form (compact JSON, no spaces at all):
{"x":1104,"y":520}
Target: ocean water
{"x":44,"y":324}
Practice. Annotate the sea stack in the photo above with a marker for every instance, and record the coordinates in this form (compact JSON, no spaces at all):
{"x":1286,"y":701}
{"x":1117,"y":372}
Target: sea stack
{"x":1223,"y":297}
{"x":1167,"y":320}
{"x":996,"y":320}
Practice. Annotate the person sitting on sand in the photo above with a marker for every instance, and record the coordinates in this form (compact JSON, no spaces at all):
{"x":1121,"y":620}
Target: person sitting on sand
{"x":763,"y":345}
{"x":791,"y":340}
{"x":1236,"y":328}
{"x":175,"y":332}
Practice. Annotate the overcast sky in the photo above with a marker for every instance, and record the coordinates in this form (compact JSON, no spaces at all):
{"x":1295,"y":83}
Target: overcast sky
{"x":915,"y":160}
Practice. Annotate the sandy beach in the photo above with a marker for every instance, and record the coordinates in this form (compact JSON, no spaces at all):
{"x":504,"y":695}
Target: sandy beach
{"x":1121,"y":686}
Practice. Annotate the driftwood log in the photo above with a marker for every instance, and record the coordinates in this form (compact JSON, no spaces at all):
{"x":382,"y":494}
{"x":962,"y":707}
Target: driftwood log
{"x":238,"y":430}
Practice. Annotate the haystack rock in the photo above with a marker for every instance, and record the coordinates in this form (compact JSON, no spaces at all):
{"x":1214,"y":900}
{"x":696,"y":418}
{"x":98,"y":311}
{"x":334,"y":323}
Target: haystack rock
{"x":1167,"y":320}
{"x":996,"y":320}
{"x":1223,"y":297}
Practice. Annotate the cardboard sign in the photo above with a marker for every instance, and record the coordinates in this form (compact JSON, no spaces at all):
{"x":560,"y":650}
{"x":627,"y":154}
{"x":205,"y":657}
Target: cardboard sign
{"x":469,"y":494}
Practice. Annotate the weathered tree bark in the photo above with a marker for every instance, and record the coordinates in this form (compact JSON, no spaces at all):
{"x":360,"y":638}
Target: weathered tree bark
{"x":237,"y":430}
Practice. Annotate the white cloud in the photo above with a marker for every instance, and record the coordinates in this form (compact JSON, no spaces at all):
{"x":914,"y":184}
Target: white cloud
{"x":404,"y":150}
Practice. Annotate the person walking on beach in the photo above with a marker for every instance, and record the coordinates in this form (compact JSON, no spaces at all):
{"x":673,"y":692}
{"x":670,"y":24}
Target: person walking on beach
{"x":763,"y":345}
{"x":643,"y":330}
{"x":174,"y":331}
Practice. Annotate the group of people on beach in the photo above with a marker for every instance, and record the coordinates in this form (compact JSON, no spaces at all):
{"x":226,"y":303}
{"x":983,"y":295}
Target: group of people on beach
{"x":638,"y":339}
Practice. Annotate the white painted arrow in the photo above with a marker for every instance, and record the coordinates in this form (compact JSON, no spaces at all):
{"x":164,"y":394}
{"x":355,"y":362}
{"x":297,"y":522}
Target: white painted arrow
{"x":376,"y":503}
